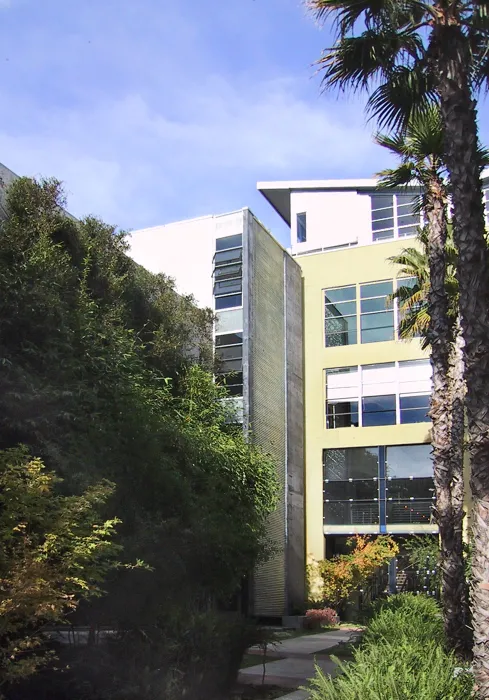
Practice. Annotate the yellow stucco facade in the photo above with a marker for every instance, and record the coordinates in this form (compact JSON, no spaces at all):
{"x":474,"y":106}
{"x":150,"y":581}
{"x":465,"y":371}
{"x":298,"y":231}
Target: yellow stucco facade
{"x":338,"y":268}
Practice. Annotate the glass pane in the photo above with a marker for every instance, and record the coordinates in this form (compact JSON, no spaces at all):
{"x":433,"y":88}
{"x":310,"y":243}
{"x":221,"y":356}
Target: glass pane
{"x":358,"y":490}
{"x":228,"y":302}
{"x":301,"y":228}
{"x":334,"y":340}
{"x":383,"y":214}
{"x":229,"y":321}
{"x":340,"y":309}
{"x":228,"y":256}
{"x":232,"y":379}
{"x":375,"y":289}
{"x":384,"y":319}
{"x":227,"y":272}
{"x":351,"y":463}
{"x":342,"y":414}
{"x":383,"y":235}
{"x":377,"y":335}
{"x":235,"y":390}
{"x":422,"y":401}
{"x":227,"y":286}
{"x":340,"y":294}
{"x":229,"y":242}
{"x":398,"y":512}
{"x":383,"y":224}
{"x":380,"y":201}
{"x":379,"y":403}
{"x":407,"y":200}
{"x":409,"y":460}
{"x":404,"y":489}
{"x":231,"y":365}
{"x":408,"y":231}
{"x":229,"y":353}
{"x":379,"y":410}
{"x":415,"y":415}
{"x":229,"y":339}
{"x":378,"y":304}
{"x":341,"y":324}
{"x":351,"y":513}
{"x":408,"y":220}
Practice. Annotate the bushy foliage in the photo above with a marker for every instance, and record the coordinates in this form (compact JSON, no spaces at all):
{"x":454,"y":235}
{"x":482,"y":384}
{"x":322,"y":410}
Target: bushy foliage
{"x":344,"y":573}
{"x":401,"y":656}
{"x":54,"y":552}
{"x":104,"y":373}
{"x":321,"y":617}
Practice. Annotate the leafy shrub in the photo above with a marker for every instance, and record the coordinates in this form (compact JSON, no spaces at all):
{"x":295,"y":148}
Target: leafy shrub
{"x":344,"y":573}
{"x":384,"y":671}
{"x":409,"y":616}
{"x":401,"y":657}
{"x":321,"y":617}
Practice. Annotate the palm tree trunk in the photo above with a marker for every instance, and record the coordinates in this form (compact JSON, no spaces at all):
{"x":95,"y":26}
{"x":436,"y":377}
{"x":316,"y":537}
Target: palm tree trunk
{"x":460,"y":125}
{"x":455,"y":581}
{"x":447,"y":434}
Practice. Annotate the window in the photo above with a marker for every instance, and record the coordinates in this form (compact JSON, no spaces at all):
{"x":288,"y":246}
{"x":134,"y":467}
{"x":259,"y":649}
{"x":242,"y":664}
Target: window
{"x":414,"y":409}
{"x":351,"y":463}
{"x":230,"y":286}
{"x":485,"y":197}
{"x":228,"y":302}
{"x":226,"y":257}
{"x":406,"y":461}
{"x":379,"y":410}
{"x":342,"y":397}
{"x":342,"y":414}
{"x":229,"y":356}
{"x":390,"y":485}
{"x":340,"y":310}
{"x":301,"y":228}
{"x":394,"y":215}
{"x":376,"y":315}
{"x":229,"y":242}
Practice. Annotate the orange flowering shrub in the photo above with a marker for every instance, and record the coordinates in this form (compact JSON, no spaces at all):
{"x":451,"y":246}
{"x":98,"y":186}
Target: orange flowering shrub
{"x":344,"y":573}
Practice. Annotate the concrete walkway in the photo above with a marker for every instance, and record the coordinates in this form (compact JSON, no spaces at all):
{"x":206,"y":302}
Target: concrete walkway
{"x":302,"y":654}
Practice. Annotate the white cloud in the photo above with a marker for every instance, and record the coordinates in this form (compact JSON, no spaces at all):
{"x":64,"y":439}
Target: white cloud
{"x":139,"y":163}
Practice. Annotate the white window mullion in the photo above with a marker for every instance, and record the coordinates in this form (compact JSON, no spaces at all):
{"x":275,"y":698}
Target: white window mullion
{"x":394,"y":211}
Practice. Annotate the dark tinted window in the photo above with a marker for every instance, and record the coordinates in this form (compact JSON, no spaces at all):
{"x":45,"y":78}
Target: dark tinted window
{"x":409,"y":460}
{"x":226,"y":257}
{"x":228,"y":302}
{"x":229,"y":242}
{"x":357,"y":490}
{"x":414,"y":409}
{"x":351,"y":463}
{"x":229,"y":353}
{"x":229,"y":339}
{"x":379,"y":410}
{"x":341,"y":414}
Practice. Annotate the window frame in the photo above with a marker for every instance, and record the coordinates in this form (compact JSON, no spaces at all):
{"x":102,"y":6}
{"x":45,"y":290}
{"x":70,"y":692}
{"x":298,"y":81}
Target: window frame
{"x":330,"y":304}
{"x":301,"y":227}
{"x":370,"y":314}
{"x":396,"y":207}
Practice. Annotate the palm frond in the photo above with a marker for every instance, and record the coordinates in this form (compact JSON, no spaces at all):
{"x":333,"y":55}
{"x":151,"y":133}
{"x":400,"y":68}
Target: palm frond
{"x":401,"y":176}
{"x":407,"y":92}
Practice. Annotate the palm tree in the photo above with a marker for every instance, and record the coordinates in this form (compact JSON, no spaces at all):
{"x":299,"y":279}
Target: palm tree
{"x":410,"y":53}
{"x":420,"y":150}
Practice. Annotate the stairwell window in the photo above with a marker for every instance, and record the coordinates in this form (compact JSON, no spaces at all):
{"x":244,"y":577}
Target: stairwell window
{"x":376,"y":312}
{"x":340,"y":312}
{"x":301,"y":228}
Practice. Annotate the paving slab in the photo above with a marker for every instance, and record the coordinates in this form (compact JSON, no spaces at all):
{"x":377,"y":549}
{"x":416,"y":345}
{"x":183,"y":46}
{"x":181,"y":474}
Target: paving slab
{"x":296,"y":695}
{"x":309,"y":644}
{"x":289,"y":673}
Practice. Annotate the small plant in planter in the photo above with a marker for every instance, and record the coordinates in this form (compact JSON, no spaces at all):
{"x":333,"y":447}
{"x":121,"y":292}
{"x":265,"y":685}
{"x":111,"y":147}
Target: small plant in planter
{"x":321,"y":617}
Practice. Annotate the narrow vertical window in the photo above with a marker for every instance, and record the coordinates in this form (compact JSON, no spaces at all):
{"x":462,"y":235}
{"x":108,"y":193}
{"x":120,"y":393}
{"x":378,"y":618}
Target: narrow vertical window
{"x":301,"y":228}
{"x":340,"y":311}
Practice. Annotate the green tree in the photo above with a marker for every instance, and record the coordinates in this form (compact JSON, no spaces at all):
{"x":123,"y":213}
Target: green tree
{"x":421,"y":154}
{"x":410,"y":53}
{"x":55,"y":551}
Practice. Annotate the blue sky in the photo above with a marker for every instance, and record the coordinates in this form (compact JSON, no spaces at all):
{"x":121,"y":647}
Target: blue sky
{"x":152,"y":111}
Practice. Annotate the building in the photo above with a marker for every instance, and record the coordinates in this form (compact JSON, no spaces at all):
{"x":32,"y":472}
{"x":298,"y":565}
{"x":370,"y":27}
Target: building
{"x":368,"y":466}
{"x":232,"y":264}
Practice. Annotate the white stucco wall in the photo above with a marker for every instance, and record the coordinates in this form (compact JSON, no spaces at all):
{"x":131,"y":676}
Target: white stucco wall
{"x":333,"y":219}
